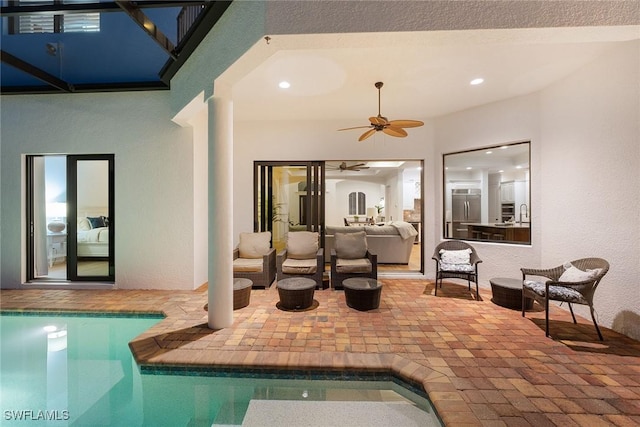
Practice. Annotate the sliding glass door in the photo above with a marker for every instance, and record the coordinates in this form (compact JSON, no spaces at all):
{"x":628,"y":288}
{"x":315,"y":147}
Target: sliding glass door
{"x":288,"y":196}
{"x":70,"y":217}
{"x":383,"y":197}
{"x":91,"y":217}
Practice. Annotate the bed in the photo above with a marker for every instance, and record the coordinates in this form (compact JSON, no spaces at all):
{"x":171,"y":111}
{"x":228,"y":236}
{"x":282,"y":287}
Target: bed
{"x":93,"y":237}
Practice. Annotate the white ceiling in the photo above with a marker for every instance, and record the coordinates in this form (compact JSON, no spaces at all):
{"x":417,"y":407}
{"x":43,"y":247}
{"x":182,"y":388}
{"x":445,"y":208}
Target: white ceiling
{"x":425,"y":74}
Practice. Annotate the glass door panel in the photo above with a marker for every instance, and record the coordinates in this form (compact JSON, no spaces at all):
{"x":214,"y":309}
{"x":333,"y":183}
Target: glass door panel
{"x":288,"y":197}
{"x":91,"y":217}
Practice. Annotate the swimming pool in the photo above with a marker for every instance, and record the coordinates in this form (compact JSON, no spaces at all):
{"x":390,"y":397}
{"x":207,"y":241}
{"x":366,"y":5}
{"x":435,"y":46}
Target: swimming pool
{"x":77,"y":370}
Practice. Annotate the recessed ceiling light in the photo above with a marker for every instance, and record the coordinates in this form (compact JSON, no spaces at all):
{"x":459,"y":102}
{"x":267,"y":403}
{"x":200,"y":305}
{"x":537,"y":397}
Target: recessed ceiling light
{"x":518,"y":167}
{"x":284,"y":85}
{"x":501,"y":170}
{"x":469,"y":168}
{"x":476,"y":81}
{"x":489,"y":152}
{"x":504,"y":147}
{"x":50,"y":328}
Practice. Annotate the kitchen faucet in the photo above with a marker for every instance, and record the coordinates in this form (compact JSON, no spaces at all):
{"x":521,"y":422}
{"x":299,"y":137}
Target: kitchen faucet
{"x":526,"y":210}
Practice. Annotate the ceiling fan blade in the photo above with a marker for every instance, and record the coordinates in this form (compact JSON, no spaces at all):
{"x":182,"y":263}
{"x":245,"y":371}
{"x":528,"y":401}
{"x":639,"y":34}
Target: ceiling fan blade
{"x":395,"y":131}
{"x":406,"y":123}
{"x":379,"y":120}
{"x":366,"y":135}
{"x":357,"y":127}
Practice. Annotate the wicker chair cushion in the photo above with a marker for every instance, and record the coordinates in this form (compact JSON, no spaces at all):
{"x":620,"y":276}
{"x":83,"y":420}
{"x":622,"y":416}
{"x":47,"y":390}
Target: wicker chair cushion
{"x":459,"y":268}
{"x":300,"y":266}
{"x":455,"y":257}
{"x":254,"y":245}
{"x":248,"y":265}
{"x":574,"y":274}
{"x":351,"y":245}
{"x":361,"y":265}
{"x":559,"y":293}
{"x":302,"y":244}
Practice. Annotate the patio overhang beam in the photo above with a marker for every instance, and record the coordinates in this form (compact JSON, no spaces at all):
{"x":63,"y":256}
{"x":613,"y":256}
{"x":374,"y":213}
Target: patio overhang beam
{"x":72,"y":8}
{"x":36,"y":72}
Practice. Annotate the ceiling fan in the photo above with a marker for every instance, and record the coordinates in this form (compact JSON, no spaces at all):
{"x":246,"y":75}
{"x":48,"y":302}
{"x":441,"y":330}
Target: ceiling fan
{"x":381,"y":123}
{"x":344,"y":167}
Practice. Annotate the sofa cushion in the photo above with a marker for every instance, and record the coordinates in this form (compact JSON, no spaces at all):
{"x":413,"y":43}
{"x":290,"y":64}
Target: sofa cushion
{"x":331,"y":230}
{"x":248,"y":265}
{"x":299,"y":266}
{"x":351,"y":245}
{"x":362,"y":265}
{"x":381,"y":230}
{"x":302,"y":244}
{"x":561,"y":293}
{"x":459,"y":268}
{"x":254,"y":245}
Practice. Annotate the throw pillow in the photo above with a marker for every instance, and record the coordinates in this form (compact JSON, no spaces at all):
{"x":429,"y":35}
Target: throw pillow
{"x":96,"y":221}
{"x":254,"y":245}
{"x":574,"y":274}
{"x":455,"y":257}
{"x":350,"y":245}
{"x":302,"y":244}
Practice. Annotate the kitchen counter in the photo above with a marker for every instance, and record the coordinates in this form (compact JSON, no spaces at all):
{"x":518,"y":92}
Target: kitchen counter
{"x":509,"y":232}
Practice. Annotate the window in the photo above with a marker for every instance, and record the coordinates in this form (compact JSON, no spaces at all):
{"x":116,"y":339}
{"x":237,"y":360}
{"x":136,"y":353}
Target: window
{"x":486,"y":194}
{"x":55,"y":23}
{"x":357,"y":203}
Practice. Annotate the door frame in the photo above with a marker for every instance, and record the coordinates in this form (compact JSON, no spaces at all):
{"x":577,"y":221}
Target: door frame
{"x":71,"y":244}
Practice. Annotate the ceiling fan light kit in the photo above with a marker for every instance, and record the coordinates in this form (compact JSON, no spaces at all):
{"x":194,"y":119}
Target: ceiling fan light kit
{"x":381,"y":123}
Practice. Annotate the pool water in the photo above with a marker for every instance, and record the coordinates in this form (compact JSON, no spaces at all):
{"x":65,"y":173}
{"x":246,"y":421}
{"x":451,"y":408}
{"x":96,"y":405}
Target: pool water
{"x":78,"y":371}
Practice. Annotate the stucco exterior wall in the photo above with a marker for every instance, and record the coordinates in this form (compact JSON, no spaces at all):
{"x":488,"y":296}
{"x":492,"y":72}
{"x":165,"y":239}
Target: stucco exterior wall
{"x":153,"y":168}
{"x":590,"y":189}
{"x":513,"y":120}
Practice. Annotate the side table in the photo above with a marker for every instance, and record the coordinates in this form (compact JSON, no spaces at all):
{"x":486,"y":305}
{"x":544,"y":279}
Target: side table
{"x":362,"y":293}
{"x":508,"y":293}
{"x":241,"y":292}
{"x":296,"y":293}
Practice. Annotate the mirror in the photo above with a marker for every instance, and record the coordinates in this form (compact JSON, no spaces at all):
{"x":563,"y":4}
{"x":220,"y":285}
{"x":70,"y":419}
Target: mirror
{"x":487,"y":194}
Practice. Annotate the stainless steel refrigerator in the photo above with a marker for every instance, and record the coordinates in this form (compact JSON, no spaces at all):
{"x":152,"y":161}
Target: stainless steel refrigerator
{"x":465,"y":207}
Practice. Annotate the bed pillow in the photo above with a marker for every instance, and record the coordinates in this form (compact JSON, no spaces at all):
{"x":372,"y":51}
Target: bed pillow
{"x":455,"y":257}
{"x":302,"y":244}
{"x":83,"y":224}
{"x":96,"y":221}
{"x":254,"y":245}
{"x":574,"y":274}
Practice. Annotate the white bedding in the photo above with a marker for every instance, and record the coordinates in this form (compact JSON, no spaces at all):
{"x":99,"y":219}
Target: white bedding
{"x":95,"y":235}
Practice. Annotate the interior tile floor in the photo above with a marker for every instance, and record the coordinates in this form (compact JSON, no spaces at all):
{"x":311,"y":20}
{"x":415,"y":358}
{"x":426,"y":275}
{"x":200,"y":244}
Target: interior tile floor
{"x":480,"y":363}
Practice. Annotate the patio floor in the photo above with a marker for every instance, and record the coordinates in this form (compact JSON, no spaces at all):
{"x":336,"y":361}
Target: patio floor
{"x":480,"y":363}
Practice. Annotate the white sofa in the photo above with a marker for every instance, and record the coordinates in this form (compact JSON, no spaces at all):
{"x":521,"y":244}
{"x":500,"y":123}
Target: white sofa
{"x":392,"y":242}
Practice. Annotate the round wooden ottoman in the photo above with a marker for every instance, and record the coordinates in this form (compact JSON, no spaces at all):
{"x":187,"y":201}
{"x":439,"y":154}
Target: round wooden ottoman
{"x":508,"y":293}
{"x":241,"y":292}
{"x":362,"y":293}
{"x":296,"y":293}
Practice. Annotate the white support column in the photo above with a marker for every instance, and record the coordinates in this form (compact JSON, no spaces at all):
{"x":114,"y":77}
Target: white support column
{"x":220,"y":292}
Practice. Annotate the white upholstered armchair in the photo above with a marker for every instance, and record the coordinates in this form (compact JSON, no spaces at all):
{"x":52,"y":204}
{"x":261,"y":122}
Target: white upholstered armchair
{"x":302,"y":257}
{"x":255,"y":259}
